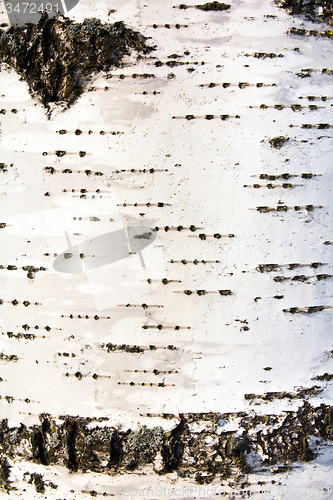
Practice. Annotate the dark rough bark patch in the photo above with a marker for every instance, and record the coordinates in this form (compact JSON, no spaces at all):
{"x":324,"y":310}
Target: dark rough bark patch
{"x":209,"y":6}
{"x":56,"y":56}
{"x":309,"y":8}
{"x":4,"y":474}
{"x":173,"y":449}
{"x":213,"y":6}
{"x":38,"y":483}
{"x":278,"y":142}
{"x":38,"y":446}
{"x":72,"y":428}
{"x":206,"y":455}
